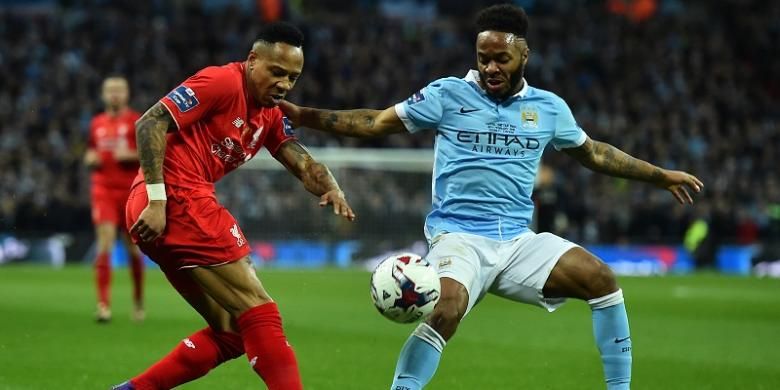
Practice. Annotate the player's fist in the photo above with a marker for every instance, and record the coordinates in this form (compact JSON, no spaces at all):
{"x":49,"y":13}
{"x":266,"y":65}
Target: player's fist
{"x":678,"y":183}
{"x":92,"y":159}
{"x":151,"y":223}
{"x":291,"y":111}
{"x":339,"y":202}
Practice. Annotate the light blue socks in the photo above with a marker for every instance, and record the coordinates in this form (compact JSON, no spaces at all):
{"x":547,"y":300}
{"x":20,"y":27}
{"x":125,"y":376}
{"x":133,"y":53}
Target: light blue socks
{"x":419,"y":359}
{"x":610,"y":327}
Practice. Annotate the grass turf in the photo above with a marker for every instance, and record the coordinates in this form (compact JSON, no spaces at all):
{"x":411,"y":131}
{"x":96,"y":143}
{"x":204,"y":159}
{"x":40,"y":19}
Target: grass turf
{"x":691,"y":332}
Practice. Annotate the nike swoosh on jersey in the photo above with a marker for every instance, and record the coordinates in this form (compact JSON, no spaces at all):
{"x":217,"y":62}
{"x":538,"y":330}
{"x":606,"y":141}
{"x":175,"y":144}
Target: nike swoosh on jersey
{"x":617,"y":340}
{"x":464,"y":110}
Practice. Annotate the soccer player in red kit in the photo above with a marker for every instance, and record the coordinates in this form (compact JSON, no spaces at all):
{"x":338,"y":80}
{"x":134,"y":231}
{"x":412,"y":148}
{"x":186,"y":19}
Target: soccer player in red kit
{"x":112,"y":156}
{"x":204,"y":128}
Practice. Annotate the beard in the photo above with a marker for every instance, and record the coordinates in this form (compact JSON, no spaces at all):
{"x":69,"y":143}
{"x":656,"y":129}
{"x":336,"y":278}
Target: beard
{"x":514,"y":80}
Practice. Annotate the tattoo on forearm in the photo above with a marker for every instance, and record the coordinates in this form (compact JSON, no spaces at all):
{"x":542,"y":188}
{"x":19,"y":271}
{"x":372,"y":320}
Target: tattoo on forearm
{"x":316,"y":177}
{"x":605,"y":158}
{"x":150,"y":137}
{"x":319,"y":180}
{"x":352,"y":123}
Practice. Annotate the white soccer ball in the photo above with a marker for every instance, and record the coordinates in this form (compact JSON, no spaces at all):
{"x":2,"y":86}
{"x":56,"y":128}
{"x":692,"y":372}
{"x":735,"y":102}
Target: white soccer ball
{"x":405,"y":287}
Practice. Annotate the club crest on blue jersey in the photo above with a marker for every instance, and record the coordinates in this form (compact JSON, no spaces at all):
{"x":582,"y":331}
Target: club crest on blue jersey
{"x":529,"y":118}
{"x":287,"y":127}
{"x":184,"y":98}
{"x":416,"y":98}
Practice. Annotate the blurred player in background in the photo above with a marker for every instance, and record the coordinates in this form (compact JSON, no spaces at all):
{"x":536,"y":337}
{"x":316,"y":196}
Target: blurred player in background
{"x":491,"y":130}
{"x":206,"y":127}
{"x":112,"y":156}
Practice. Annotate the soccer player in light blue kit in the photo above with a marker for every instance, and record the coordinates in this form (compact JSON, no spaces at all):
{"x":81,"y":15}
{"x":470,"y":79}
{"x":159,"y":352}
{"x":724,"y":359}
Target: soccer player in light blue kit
{"x":491,"y":129}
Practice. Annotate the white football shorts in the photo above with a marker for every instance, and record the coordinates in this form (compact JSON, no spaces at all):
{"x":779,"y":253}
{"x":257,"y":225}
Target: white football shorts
{"x":516,"y":269}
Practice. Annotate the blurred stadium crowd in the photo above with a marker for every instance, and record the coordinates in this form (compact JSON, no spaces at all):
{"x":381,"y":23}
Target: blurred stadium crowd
{"x":691,"y":85}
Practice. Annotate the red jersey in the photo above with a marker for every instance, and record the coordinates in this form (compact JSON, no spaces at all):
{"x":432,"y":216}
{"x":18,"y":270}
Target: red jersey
{"x":219,"y":125}
{"x":106,"y":134}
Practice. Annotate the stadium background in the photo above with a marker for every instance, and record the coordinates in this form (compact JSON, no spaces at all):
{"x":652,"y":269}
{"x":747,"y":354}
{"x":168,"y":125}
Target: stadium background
{"x":691,"y":85}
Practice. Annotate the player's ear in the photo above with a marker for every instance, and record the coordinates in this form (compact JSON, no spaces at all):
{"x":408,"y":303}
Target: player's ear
{"x":526,"y":54}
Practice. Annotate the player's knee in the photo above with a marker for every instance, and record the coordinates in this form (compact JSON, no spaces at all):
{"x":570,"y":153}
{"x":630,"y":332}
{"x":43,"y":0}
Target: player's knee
{"x":244,"y":302}
{"x":602,"y":281}
{"x":445,"y":318}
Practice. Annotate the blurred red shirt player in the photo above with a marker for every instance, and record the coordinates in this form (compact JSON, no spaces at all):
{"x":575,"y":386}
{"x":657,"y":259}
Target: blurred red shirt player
{"x":112,"y":156}
{"x":200,"y":131}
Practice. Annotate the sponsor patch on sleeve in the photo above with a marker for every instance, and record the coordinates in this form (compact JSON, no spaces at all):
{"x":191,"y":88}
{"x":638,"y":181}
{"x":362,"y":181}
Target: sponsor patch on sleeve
{"x":416,"y":98}
{"x":287,"y":127}
{"x":184,"y":98}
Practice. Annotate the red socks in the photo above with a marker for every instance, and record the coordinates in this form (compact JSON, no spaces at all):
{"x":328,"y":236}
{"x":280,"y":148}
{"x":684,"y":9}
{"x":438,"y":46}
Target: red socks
{"x":103,"y":278}
{"x":267,"y":349}
{"x":262,"y":336}
{"x":191,"y":359}
{"x":137,"y":273}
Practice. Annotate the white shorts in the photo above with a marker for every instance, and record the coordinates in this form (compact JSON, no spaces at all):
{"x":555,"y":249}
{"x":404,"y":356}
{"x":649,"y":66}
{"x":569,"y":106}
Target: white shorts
{"x":516,"y":269}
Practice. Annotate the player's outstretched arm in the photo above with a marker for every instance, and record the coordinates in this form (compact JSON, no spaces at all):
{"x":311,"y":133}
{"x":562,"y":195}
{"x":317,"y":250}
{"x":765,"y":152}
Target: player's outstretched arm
{"x":350,"y":123}
{"x":150,"y":132}
{"x":315,"y":176}
{"x":604,"y":158}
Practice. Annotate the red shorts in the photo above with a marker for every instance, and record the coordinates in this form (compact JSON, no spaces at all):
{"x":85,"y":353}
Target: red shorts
{"x":198,"y":230}
{"x":108,"y":205}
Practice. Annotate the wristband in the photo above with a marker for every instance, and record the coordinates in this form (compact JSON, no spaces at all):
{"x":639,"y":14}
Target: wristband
{"x":156,"y":191}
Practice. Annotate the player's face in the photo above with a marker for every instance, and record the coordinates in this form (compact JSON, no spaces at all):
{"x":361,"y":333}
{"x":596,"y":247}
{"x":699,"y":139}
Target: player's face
{"x":273,"y":71}
{"x":115,"y":93}
{"x":501,"y":59}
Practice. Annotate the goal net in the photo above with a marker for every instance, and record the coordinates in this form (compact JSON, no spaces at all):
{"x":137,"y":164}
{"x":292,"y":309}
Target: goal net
{"x":389,"y":190}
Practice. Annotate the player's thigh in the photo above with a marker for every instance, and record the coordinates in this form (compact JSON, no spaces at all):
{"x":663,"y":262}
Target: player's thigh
{"x":215,"y":315}
{"x":531,"y":259}
{"x":458,"y":259}
{"x":580,"y":274}
{"x":235,"y":285}
{"x":105,"y":234}
{"x":128,"y":243}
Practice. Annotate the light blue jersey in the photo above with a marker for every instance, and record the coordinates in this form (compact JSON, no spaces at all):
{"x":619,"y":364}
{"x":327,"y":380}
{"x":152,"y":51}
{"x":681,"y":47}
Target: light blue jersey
{"x":487,"y":152}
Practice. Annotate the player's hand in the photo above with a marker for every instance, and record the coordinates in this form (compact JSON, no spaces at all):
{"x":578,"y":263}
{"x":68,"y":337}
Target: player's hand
{"x":92,"y":159}
{"x":125,"y":155}
{"x":291,"y":111}
{"x":340,"y":205}
{"x":151,"y":223}
{"x":679,"y":183}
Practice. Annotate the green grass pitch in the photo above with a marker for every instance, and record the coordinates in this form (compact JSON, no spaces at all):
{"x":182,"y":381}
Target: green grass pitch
{"x":692,"y":332}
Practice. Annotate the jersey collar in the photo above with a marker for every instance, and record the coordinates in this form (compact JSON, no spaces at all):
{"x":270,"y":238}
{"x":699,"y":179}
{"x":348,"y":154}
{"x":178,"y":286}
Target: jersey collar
{"x":472,"y":77}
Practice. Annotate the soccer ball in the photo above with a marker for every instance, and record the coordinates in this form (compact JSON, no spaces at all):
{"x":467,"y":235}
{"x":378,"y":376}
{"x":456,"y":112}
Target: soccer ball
{"x":405,"y":288}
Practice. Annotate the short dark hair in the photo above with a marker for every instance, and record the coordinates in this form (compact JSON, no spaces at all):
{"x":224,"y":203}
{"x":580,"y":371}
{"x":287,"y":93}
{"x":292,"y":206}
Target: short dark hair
{"x":281,"y":32}
{"x":505,"y":18}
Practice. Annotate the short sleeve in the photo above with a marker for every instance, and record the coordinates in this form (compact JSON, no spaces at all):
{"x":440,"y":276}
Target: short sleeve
{"x":423,"y":110}
{"x":198,"y":95}
{"x":281,"y":132}
{"x":567,"y":133}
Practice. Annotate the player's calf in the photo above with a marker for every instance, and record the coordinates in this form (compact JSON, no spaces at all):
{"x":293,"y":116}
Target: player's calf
{"x":420,"y":356}
{"x":237,"y":289}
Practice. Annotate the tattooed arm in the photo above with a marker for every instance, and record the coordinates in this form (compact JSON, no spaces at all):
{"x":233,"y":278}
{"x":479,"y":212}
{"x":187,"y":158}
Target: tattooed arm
{"x":604,"y":158}
{"x":150,"y":132}
{"x":350,"y":123}
{"x":315,"y":176}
